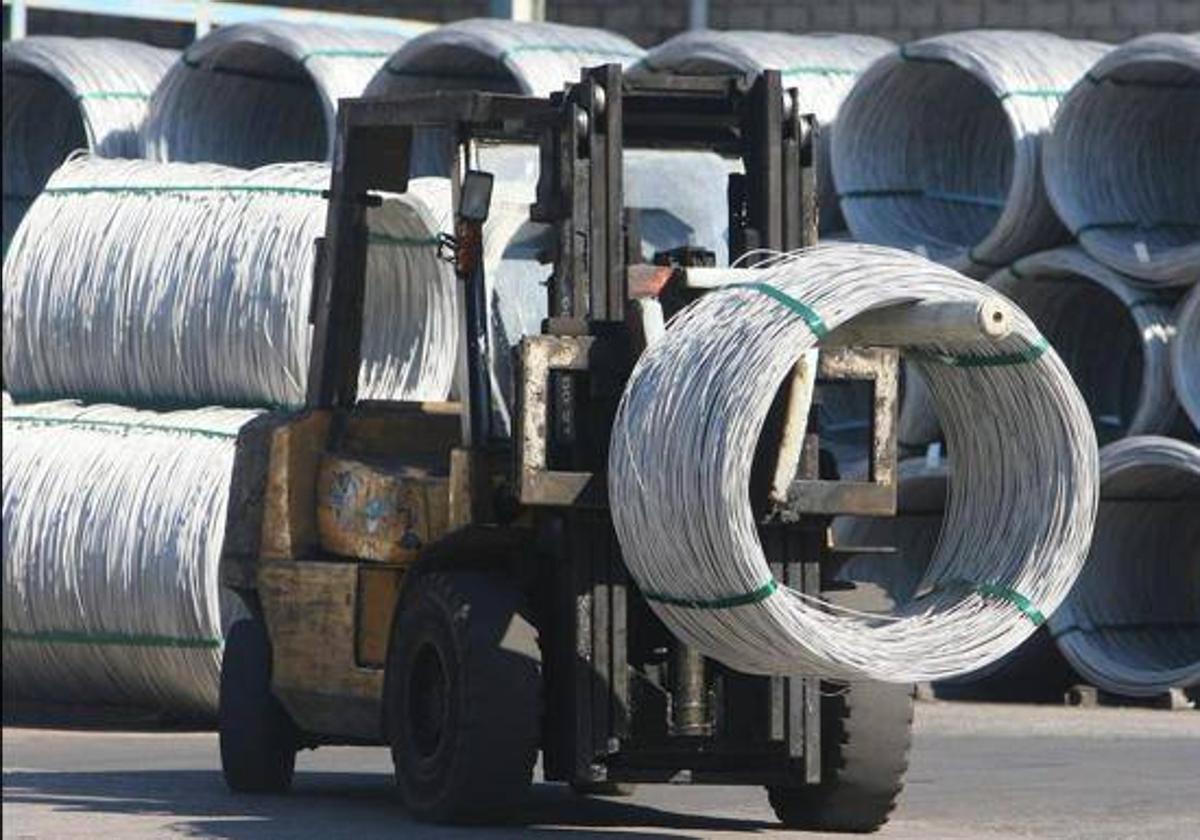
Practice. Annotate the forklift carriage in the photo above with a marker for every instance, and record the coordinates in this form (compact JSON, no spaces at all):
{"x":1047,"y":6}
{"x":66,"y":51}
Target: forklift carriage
{"x":417,"y":580}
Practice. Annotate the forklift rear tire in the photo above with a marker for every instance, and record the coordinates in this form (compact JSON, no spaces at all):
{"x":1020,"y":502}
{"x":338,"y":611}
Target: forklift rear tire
{"x":463,"y":697}
{"x":866,"y":730}
{"x":258,"y":737}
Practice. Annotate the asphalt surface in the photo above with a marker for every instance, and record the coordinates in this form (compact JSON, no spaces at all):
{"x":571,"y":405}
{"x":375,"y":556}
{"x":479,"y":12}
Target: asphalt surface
{"x":978,"y":771}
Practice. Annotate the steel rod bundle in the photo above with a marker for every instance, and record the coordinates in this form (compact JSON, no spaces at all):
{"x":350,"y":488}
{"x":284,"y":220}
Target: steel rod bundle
{"x":938,"y":145}
{"x":190,"y":284}
{"x":62,"y":94}
{"x":113,"y":526}
{"x":264,"y":92}
{"x":1132,"y":623}
{"x":1122,"y":165}
{"x":1025,"y":467}
{"x":822,"y":67}
{"x":1113,"y":336}
{"x":1185,"y":355}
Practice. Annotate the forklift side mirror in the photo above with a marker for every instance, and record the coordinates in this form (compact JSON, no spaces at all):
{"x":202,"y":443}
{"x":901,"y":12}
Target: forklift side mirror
{"x":475,"y":198}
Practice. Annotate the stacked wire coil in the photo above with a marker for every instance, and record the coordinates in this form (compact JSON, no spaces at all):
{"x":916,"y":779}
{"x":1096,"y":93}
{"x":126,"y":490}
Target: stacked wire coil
{"x":113,"y":526}
{"x":938,"y":148}
{"x":265,"y":92}
{"x":63,"y":94}
{"x":1122,"y":165}
{"x":1113,"y":336}
{"x":1131,"y":625}
{"x":1185,"y":355}
{"x":1025,"y":464}
{"x":190,"y":284}
{"x":672,"y":191}
{"x":821,"y":67}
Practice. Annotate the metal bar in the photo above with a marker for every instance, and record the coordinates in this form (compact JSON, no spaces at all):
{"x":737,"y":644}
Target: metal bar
{"x":698,"y":14}
{"x":338,"y":327}
{"x":600,"y":185}
{"x":609,"y":122}
{"x":581,"y":566}
{"x":17,"y":22}
{"x":620,"y":638}
{"x":527,"y":10}
{"x":689,"y":709}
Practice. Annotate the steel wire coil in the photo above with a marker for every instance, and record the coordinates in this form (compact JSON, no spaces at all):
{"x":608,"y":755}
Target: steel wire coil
{"x":502,"y":56}
{"x":1185,"y":356}
{"x":1122,"y":165}
{"x":113,"y":526}
{"x":190,"y":284}
{"x":1112,"y":335}
{"x":250,"y":94}
{"x":938,"y":148}
{"x":821,"y":67}
{"x":672,"y":192}
{"x":1019,"y":510}
{"x":1035,"y":671}
{"x":63,"y":94}
{"x":1131,"y":625}
{"x":911,"y":534}
{"x":680,"y":196}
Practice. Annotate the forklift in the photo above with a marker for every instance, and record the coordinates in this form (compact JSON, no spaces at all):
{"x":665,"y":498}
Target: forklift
{"x":413,"y":578}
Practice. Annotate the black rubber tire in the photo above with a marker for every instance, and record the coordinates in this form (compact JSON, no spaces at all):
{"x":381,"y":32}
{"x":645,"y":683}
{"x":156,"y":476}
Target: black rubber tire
{"x":463,"y":698}
{"x":258,"y":738}
{"x":866,"y":730}
{"x":614,"y":789}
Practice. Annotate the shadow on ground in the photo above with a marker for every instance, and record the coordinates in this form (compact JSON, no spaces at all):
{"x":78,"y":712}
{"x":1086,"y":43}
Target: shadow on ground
{"x":327,"y":805}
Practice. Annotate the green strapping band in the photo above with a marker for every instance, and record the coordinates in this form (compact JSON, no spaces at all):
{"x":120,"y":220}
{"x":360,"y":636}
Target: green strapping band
{"x":817,"y":70}
{"x":762,"y":593}
{"x":1035,"y":93}
{"x":1002,"y":593}
{"x":920,"y":192}
{"x":1144,"y":226}
{"x":113,"y":94}
{"x":402,"y":241}
{"x":1031,"y":353}
{"x":815,"y":322}
{"x":1131,"y":627}
{"x":182,"y":188}
{"x":336,"y":52}
{"x":567,"y":48}
{"x":1138,"y":304}
{"x":114,"y":425}
{"x":69,"y":637}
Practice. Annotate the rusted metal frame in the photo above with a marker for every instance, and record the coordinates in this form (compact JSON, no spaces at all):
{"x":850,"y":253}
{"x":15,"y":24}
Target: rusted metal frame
{"x":877,"y":496}
{"x":364,"y":158}
{"x":492,"y":116}
{"x":538,"y":484}
{"x":606,"y":119}
{"x":764,"y":161}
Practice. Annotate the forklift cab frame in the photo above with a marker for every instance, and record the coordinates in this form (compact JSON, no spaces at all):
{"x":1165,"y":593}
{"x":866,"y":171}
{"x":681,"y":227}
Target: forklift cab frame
{"x":621,"y":699}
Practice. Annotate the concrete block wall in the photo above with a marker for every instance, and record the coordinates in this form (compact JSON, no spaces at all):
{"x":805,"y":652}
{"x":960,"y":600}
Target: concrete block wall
{"x":650,"y":21}
{"x":900,"y":20}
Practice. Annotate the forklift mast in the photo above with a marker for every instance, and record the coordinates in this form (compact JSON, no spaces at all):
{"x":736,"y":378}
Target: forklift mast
{"x":624,"y":700}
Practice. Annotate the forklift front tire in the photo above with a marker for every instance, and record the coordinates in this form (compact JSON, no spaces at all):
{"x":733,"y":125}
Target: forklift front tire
{"x":258,"y":738}
{"x":866,"y":729}
{"x":462,"y":696}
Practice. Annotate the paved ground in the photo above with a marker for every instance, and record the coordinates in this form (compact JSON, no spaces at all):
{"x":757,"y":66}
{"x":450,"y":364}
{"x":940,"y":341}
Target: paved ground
{"x":978,"y":771}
